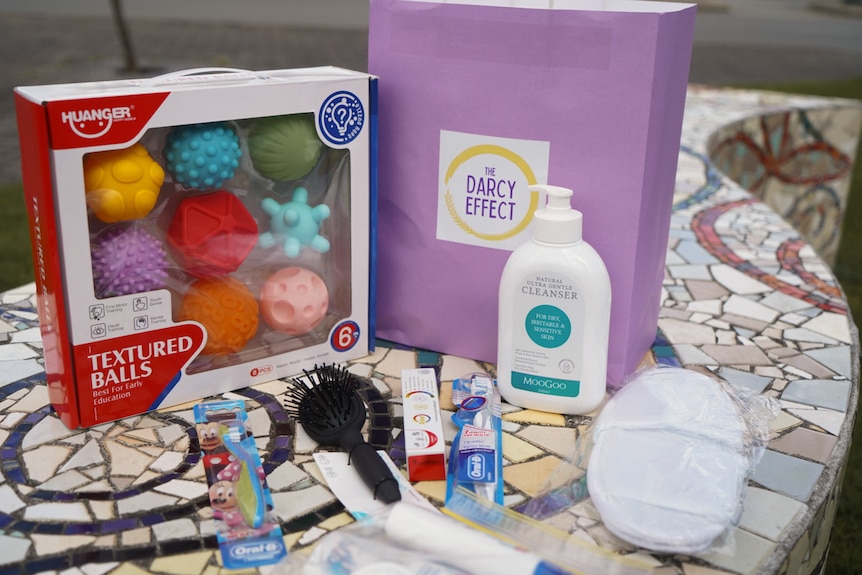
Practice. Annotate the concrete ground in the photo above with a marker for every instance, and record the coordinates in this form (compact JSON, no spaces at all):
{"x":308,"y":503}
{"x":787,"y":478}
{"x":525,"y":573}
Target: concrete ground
{"x":49,"y":41}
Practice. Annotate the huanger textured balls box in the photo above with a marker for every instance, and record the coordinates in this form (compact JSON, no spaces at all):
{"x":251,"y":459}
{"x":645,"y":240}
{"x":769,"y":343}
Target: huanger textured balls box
{"x":197,"y":232}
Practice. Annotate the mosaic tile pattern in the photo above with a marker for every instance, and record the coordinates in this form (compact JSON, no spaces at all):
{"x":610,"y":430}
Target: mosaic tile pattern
{"x":744,"y":297}
{"x":784,"y":160}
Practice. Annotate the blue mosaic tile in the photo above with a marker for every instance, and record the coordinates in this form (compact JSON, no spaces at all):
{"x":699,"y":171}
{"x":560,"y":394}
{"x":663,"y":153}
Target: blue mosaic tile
{"x":785,"y":474}
{"x":694,"y":253}
{"x":748,"y":380}
{"x":826,"y":393}
{"x":837,"y":359}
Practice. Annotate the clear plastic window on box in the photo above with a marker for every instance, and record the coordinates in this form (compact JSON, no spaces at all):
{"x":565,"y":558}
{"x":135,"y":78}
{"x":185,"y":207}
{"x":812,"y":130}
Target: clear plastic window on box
{"x":245,"y":224}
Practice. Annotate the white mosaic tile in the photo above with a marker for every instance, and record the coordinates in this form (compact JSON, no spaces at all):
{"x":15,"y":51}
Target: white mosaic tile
{"x":396,"y":360}
{"x":289,"y":504}
{"x":90,"y":454}
{"x":42,"y":463}
{"x":827,"y":419}
{"x":284,"y":476}
{"x":60,"y":512}
{"x":66,"y":481}
{"x":691,"y":355}
{"x":9,"y":502}
{"x":176,"y":529}
{"x":17,"y":352}
{"x":454,"y":367}
{"x":184,"y":489}
{"x":52,"y":544}
{"x":832,"y":325}
{"x":259,"y":422}
{"x":783,"y":302}
{"x":144,"y":502}
{"x":49,"y":429}
{"x":170,"y":433}
{"x":767,"y":513}
{"x":20,"y":369}
{"x":737,"y":282}
{"x":743,"y":553}
{"x":34,"y":401}
{"x":32,"y":335}
{"x":685,"y":332}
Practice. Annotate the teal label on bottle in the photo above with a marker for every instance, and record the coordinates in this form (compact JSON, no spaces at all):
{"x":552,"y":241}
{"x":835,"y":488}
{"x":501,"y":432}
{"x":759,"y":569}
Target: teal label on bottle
{"x":546,"y":385}
{"x":548,"y":326}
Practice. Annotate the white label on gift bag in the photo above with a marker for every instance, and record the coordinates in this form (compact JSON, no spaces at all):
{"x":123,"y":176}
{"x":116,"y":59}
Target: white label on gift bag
{"x":483,"y":198}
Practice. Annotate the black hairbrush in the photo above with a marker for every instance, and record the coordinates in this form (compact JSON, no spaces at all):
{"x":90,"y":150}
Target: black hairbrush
{"x":328,"y":405}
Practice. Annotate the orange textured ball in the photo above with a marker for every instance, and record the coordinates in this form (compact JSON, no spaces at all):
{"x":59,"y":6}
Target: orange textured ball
{"x":227,"y":310}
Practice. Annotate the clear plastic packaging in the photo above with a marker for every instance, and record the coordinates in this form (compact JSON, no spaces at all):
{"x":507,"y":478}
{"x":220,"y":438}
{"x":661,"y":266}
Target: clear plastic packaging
{"x":666,"y":461}
{"x":407,"y":539}
{"x":252,"y":244}
{"x":476,"y":454}
{"x":471,"y":536}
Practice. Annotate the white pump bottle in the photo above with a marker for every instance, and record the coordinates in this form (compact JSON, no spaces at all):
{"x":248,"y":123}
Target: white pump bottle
{"x":554,"y":315}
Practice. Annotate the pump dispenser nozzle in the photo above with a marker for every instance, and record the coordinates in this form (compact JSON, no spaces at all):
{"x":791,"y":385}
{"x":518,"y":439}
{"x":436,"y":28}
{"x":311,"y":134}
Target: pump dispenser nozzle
{"x":557,"y":222}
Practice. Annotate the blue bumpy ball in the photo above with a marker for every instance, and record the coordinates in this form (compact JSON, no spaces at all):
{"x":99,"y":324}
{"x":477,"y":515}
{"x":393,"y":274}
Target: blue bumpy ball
{"x":202,"y":156}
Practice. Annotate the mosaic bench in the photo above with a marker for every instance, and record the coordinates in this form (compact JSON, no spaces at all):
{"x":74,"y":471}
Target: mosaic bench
{"x":745,"y":297}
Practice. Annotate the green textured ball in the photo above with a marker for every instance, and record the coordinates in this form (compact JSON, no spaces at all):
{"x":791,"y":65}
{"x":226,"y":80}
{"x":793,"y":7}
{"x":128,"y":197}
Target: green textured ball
{"x":284,"y":148}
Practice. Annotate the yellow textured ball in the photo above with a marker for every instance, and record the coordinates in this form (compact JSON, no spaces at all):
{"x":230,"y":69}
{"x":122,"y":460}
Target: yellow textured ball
{"x":122,"y":184}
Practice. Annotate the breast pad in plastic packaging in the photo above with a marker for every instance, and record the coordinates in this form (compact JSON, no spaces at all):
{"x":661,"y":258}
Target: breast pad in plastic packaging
{"x":669,"y":461}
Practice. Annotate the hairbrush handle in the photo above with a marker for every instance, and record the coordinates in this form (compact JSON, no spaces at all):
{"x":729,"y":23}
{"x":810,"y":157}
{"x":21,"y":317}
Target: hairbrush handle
{"x":374,"y":472}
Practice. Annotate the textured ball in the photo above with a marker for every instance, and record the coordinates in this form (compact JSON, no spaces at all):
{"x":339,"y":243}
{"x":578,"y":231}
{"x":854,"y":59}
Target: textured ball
{"x":226,"y":309}
{"x":212,"y":234}
{"x":127,"y":261}
{"x":294,"y":300}
{"x":284,"y":148}
{"x":202,"y":156}
{"x":122,"y":184}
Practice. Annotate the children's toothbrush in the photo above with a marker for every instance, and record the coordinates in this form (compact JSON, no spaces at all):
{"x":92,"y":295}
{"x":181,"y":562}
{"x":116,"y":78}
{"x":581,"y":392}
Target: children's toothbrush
{"x":331,"y":411}
{"x":249,"y":489}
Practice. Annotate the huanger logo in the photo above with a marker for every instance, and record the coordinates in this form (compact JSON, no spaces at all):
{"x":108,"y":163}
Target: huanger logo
{"x":95,"y":122}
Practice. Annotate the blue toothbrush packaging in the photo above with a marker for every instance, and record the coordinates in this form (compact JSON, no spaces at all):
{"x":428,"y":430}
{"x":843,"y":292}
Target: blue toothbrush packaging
{"x":246,"y":525}
{"x":476,"y":456}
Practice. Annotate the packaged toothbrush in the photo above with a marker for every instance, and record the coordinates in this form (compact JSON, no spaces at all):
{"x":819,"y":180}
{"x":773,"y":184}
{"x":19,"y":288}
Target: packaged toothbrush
{"x":476,"y":456}
{"x":247,"y":528}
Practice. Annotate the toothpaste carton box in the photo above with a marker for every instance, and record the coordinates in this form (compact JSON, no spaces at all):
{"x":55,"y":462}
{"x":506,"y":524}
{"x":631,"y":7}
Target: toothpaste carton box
{"x":423,"y":425}
{"x":197,"y":232}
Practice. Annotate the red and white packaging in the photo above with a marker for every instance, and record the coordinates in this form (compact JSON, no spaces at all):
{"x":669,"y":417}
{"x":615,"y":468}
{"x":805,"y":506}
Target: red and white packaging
{"x":119,"y":348}
{"x":424,"y":442}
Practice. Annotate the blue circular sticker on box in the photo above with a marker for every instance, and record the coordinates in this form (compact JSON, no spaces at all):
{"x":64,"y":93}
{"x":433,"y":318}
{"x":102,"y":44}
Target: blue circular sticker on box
{"x":341,"y":117}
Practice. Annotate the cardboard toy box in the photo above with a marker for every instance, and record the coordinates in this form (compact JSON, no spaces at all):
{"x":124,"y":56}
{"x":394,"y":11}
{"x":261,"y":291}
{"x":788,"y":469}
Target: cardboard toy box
{"x":197,"y":232}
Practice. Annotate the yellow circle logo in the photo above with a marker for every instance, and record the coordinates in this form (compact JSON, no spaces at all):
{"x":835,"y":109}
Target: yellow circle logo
{"x":519,"y":162}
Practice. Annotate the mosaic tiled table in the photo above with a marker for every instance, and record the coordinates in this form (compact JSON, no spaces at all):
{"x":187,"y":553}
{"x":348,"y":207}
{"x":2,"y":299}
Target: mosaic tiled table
{"x":744,"y":297}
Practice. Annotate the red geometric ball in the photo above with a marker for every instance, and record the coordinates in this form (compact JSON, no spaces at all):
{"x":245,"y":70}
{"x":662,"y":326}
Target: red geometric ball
{"x":212,"y":233}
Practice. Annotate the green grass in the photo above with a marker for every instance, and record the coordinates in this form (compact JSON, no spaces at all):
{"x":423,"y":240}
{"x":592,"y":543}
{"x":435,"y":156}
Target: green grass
{"x":846,"y":537}
{"x":16,"y":269}
{"x":16,"y":266}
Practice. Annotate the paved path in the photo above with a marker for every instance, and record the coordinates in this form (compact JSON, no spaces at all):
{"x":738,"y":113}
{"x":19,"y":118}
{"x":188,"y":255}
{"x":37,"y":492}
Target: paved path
{"x":48,"y":41}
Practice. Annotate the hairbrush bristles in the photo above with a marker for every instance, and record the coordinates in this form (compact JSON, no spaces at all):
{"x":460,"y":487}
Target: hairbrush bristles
{"x":328,"y":405}
{"x":324,"y":397}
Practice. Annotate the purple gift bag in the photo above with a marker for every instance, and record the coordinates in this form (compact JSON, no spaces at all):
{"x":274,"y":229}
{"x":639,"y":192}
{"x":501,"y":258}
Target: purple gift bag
{"x":478,"y":100}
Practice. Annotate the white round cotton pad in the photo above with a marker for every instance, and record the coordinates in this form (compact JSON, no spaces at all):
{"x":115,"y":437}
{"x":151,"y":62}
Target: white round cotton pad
{"x":668,"y":464}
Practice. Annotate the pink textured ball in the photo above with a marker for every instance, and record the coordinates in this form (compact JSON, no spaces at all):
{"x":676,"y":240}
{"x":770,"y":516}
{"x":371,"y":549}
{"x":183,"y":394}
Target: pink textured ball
{"x":127,"y":261}
{"x":294,"y":300}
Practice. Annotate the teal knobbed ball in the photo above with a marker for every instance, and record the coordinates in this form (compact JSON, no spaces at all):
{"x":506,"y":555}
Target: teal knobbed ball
{"x":284,"y":148}
{"x":202,"y":156}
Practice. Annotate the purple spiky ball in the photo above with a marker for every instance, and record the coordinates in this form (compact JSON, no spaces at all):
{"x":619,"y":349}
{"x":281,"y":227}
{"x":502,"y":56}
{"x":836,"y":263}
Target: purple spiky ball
{"x":127,"y":261}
